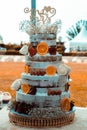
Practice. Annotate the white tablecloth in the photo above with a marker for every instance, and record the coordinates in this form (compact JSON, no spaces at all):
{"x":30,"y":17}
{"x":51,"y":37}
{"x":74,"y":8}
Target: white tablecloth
{"x":79,"y":123}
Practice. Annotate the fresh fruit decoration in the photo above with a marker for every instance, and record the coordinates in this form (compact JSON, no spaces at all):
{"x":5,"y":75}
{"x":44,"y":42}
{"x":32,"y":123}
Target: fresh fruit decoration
{"x":25,"y":88}
{"x":65,"y":104}
{"x":32,"y":51}
{"x":42,"y":48}
{"x":50,"y":70}
{"x":27,"y":69}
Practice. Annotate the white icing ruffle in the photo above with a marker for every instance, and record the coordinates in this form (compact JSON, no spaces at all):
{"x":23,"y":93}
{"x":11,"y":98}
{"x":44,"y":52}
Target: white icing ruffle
{"x":63,"y":69}
{"x":42,"y":78}
{"x":45,"y":58}
{"x":38,"y":64}
{"x":40,"y":83}
{"x":40,"y":98}
{"x":24,"y":50}
{"x":16,"y":84}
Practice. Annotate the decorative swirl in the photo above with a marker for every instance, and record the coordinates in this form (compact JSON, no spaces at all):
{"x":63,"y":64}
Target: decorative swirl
{"x":43,"y":15}
{"x":39,"y":21}
{"x":50,"y":10}
{"x":26,"y":10}
{"x":53,"y":12}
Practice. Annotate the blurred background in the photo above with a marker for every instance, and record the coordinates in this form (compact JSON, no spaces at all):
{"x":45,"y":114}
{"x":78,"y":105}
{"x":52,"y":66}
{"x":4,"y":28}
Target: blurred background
{"x":72,"y":13}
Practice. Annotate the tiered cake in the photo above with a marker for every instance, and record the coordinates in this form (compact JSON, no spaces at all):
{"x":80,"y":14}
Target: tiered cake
{"x":42,"y":96}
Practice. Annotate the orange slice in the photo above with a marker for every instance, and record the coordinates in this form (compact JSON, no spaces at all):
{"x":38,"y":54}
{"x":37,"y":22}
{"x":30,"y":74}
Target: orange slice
{"x":25,"y":88}
{"x":50,"y":70}
{"x":65,"y":104}
{"x":27,"y":69}
{"x":42,"y":48}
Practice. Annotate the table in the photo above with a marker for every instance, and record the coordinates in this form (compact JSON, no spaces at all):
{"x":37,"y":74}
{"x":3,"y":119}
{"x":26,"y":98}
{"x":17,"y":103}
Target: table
{"x":79,"y":123}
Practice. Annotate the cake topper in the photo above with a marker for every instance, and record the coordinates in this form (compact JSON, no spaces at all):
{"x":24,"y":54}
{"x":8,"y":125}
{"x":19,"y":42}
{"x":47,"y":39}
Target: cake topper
{"x":41,"y":22}
{"x":43,"y":16}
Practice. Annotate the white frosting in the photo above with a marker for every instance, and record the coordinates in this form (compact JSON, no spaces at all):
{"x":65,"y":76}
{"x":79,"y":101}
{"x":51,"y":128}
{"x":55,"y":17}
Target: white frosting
{"x":57,"y":54}
{"x":50,"y":42}
{"x":63,"y":69}
{"x":54,"y":78}
{"x":44,"y":81}
{"x":40,"y":83}
{"x":39,"y":37}
{"x":24,"y":50}
{"x":63,"y":79}
{"x":40,"y":64}
{"x":16,"y":84}
{"x":40,"y":97}
{"x":47,"y":57}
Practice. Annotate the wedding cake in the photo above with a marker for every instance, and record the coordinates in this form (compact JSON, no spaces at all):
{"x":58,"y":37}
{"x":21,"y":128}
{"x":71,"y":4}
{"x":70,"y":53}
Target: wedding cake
{"x":42,"y":93}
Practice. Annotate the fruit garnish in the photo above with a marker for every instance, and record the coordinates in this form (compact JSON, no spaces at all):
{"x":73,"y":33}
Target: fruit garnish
{"x":27,"y":69}
{"x":52,"y":50}
{"x":25,"y":88}
{"x":65,"y":104}
{"x":42,"y":48}
{"x":50,"y":70}
{"x":32,"y":51}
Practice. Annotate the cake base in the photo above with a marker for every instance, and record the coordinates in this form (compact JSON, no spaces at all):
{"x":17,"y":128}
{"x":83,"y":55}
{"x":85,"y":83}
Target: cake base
{"x":43,"y":122}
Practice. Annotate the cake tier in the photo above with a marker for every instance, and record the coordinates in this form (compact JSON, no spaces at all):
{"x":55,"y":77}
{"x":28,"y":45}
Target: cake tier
{"x":41,"y":99}
{"x":51,"y":118}
{"x":53,"y":78}
{"x":43,"y":36}
{"x":39,"y":68}
{"x":44,"y":58}
{"x":49,"y":42}
{"x":42,"y":64}
{"x":39,"y":83}
{"x":45,"y":81}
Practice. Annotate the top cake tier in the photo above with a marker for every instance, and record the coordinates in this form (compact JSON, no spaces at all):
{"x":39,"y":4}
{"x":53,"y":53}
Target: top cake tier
{"x":41,"y":45}
{"x":50,"y":37}
{"x":41,"y":32}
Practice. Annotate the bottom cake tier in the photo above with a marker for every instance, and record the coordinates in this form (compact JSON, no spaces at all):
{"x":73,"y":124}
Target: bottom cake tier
{"x":41,"y":118}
